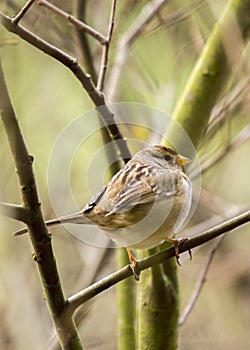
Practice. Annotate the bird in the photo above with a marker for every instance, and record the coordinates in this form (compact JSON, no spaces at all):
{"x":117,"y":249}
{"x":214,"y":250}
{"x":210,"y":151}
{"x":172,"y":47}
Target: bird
{"x":144,"y":204}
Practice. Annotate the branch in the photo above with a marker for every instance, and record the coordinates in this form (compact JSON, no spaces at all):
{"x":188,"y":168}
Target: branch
{"x":81,"y":297}
{"x":71,"y":63}
{"x":123,"y":46}
{"x":182,"y":14}
{"x":82,"y":37}
{"x":79,"y":24}
{"x":22,"y":12}
{"x":105,"y":51}
{"x":231,"y":101}
{"x":40,"y":239}
{"x":206,"y":165}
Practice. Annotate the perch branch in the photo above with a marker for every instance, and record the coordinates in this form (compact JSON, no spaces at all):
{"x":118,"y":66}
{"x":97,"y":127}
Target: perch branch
{"x":81,"y":297}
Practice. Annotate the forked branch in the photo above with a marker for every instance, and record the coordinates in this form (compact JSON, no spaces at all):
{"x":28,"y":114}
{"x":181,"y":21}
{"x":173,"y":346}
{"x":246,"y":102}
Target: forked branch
{"x":73,"y":65}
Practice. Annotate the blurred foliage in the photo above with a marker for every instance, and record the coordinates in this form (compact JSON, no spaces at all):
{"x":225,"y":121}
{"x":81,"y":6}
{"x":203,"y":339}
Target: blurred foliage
{"x":47,"y":97}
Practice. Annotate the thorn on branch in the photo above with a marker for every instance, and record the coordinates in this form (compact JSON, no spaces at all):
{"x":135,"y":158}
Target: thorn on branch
{"x":36,"y":258}
{"x":31,"y":158}
{"x":27,"y":188}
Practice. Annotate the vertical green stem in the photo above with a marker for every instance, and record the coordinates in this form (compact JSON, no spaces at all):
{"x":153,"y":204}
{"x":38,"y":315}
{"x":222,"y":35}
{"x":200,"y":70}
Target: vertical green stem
{"x":211,"y":72}
{"x":126,"y":307}
{"x":158,"y":307}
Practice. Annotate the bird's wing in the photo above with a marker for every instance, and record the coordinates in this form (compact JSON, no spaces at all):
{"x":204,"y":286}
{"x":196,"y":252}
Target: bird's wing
{"x":135,"y":192}
{"x":94,"y":200}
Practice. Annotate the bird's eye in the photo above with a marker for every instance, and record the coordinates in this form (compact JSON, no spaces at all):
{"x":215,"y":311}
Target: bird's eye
{"x":168,"y":158}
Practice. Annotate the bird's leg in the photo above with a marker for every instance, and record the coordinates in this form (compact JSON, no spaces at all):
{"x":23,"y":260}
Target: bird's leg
{"x":176,"y":243}
{"x":133,"y":264}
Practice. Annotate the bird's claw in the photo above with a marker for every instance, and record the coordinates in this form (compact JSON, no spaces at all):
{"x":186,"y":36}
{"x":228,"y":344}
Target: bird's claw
{"x":176,"y":243}
{"x":133,"y":264}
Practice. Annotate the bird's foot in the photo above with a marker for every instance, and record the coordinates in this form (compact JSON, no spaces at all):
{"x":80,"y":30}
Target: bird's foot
{"x":133,"y":264}
{"x":176,"y":243}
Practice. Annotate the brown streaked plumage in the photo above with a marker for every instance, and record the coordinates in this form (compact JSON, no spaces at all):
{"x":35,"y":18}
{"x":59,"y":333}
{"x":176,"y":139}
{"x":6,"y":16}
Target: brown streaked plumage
{"x":143,"y":204}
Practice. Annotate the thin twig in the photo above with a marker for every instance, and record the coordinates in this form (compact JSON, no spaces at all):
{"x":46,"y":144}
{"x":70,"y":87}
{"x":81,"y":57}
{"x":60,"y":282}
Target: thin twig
{"x":241,"y":138}
{"x":82,"y":37}
{"x":128,"y":38}
{"x":228,"y":103}
{"x":22,"y":12}
{"x":105,"y":50}
{"x":71,"y":63}
{"x":81,"y":25}
{"x":201,"y":281}
{"x":123,"y":46}
{"x":219,"y":113}
{"x":180,"y":15}
{"x":86,"y":294}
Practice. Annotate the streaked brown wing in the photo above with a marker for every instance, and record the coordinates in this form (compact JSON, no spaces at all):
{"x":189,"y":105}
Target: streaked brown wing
{"x":136,"y":192}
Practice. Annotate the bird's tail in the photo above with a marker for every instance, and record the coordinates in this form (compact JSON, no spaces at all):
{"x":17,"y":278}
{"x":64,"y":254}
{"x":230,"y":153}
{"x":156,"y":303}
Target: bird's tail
{"x":76,"y":218}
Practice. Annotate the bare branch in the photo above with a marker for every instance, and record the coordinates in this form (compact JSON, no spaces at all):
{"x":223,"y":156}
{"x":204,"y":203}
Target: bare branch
{"x":241,"y":138}
{"x":105,"y":51}
{"x":81,"y":297}
{"x":79,"y":24}
{"x":40,"y":239}
{"x":182,"y":14}
{"x":201,"y":281}
{"x":22,"y":12}
{"x":123,"y":46}
{"x":82,"y":37}
{"x":227,"y":104}
{"x":71,"y":63}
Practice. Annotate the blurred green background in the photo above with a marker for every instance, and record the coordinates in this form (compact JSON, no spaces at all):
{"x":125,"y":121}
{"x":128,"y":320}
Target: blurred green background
{"x":47,"y":97}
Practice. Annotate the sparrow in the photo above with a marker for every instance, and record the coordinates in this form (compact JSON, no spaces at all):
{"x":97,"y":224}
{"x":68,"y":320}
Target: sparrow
{"x":143,"y":205}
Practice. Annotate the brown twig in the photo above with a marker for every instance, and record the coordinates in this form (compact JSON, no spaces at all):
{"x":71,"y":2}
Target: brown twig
{"x":201,"y":281}
{"x":82,"y":37}
{"x":81,"y":25}
{"x":22,"y":12}
{"x":105,"y":51}
{"x":71,"y":63}
{"x":81,"y":297}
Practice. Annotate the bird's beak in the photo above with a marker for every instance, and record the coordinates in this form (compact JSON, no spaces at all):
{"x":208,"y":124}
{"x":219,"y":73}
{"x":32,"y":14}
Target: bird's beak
{"x":183,"y":160}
